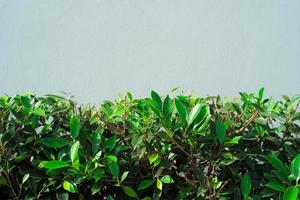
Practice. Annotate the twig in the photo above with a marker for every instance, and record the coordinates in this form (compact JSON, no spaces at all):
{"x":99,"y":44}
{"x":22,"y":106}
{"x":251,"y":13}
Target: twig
{"x":248,"y":122}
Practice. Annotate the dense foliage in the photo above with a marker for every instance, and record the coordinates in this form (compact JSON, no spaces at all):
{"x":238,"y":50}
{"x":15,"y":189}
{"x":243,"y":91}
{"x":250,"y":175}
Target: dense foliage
{"x":170,"y":147}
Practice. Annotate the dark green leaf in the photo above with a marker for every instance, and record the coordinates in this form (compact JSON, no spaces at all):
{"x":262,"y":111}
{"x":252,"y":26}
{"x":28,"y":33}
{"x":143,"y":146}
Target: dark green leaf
{"x":145,"y":184}
{"x":167,"y":107}
{"x":157,"y":100}
{"x":114,"y":169}
{"x":246,"y":185}
{"x":96,"y":141}
{"x":54,"y":142}
{"x":98,"y":174}
{"x":74,"y":126}
{"x":129,"y":191}
{"x":220,"y":131}
{"x":62,"y":195}
{"x":276,"y":186}
{"x":181,"y":109}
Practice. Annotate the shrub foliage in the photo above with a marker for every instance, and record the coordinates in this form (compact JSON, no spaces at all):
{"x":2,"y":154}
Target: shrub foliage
{"x":161,"y":147}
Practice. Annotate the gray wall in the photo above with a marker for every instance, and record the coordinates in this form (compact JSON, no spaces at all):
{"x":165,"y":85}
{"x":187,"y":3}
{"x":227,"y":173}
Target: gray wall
{"x":96,"y":49}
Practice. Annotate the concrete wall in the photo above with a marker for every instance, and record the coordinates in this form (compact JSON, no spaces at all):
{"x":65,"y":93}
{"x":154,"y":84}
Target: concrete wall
{"x":96,"y":49}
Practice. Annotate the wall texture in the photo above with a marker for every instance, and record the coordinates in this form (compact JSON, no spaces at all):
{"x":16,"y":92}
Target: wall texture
{"x":96,"y":49}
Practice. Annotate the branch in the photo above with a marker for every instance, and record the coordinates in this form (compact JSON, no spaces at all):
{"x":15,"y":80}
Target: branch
{"x":247,"y":123}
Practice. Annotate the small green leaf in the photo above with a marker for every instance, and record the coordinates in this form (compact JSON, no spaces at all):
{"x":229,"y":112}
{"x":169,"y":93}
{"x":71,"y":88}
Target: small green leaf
{"x":124,"y":175}
{"x":194,"y":113}
{"x":246,"y":185}
{"x":261,"y":93}
{"x":295,"y":168}
{"x":153,"y":158}
{"x":145,"y":184}
{"x":54,"y":142}
{"x":96,"y":141}
{"x":95,"y":189}
{"x":159,"y":184}
{"x":111,"y":158}
{"x":70,"y":186}
{"x":276,"y":163}
{"x":181,"y":109}
{"x":111,"y":143}
{"x":62,"y":195}
{"x":167,"y":179}
{"x":167,"y":107}
{"x":291,"y":193}
{"x":114,"y":169}
{"x":74,"y":126}
{"x":157,"y":100}
{"x":25,"y":101}
{"x":234,"y":140}
{"x":129,"y":191}
{"x":25,"y":178}
{"x":220,"y":131}
{"x":74,"y":152}
{"x":39,"y":112}
{"x":276,"y":186}
{"x":55,"y":164}
{"x":98,"y":174}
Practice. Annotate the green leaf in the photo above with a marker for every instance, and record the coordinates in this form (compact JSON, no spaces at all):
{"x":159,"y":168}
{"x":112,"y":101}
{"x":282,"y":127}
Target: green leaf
{"x":111,"y":158}
{"x":62,"y":195}
{"x":167,"y":179}
{"x":25,"y":178}
{"x":39,"y":112}
{"x":291,"y":193}
{"x":159,"y":184}
{"x":111,"y":143}
{"x":74,"y":152}
{"x":98,"y":174}
{"x":55,"y":164}
{"x":25,"y":101}
{"x":234,"y":140}
{"x":114,"y":169}
{"x":145,"y":184}
{"x":276,"y":163}
{"x":74,"y":126}
{"x":181,"y":109}
{"x":167,"y":107}
{"x":129,"y":191}
{"x":246,"y":185}
{"x":220,"y":131}
{"x":194,"y":113}
{"x":124,"y":175}
{"x":70,"y":186}
{"x":54,"y":142}
{"x":3,"y":181}
{"x":157,"y":100}
{"x":153,"y":158}
{"x":95,"y":189}
{"x":276,"y":186}
{"x":261,"y":93}
{"x":96,"y":141}
{"x":295,"y":168}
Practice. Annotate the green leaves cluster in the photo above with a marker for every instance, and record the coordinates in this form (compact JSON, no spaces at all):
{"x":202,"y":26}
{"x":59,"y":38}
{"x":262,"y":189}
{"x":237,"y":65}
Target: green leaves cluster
{"x":162,"y":147}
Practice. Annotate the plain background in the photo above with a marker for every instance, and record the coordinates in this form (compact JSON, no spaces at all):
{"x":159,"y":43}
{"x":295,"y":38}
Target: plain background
{"x":97,"y":49}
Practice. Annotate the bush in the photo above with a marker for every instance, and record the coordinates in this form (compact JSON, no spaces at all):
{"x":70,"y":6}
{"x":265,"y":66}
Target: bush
{"x":184,"y":147}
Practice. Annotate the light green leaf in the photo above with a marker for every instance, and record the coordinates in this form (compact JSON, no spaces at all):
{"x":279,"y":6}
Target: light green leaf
{"x":129,"y":191}
{"x":111,"y":158}
{"x":220,"y":131}
{"x":74,"y":152}
{"x":291,"y":193}
{"x":180,"y":107}
{"x":295,"y":168}
{"x":145,"y":184}
{"x":54,"y":142}
{"x":167,"y":179}
{"x":124,"y":175}
{"x":55,"y":164}
{"x":25,"y":178}
{"x":153,"y":158}
{"x":234,"y":140}
{"x":159,"y":184}
{"x":70,"y":186}
{"x":74,"y":126}
{"x":39,"y":112}
{"x":246,"y":185}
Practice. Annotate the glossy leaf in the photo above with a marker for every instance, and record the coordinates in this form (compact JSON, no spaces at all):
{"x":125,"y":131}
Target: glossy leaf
{"x":157,"y":100}
{"x":70,"y":186}
{"x":129,"y":191}
{"x":167,"y":106}
{"x":181,"y":109}
{"x":291,"y":194}
{"x":166,"y":179}
{"x":74,"y":152}
{"x":194,"y":113}
{"x":145,"y":184}
{"x":114,"y":169}
{"x":54,"y":142}
{"x":246,"y":185}
{"x":74,"y":126}
{"x":295,"y":168}
{"x":55,"y":164}
{"x":220,"y":131}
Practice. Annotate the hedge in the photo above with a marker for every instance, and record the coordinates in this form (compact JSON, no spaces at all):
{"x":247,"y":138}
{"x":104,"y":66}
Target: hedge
{"x":162,"y":147}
